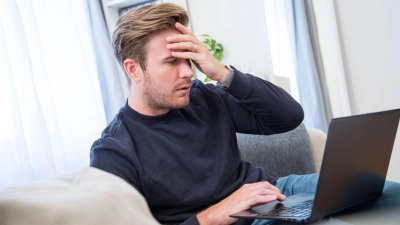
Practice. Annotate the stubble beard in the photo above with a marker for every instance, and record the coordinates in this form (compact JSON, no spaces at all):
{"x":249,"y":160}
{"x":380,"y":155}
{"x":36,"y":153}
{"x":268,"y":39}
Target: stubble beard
{"x":159,"y":98}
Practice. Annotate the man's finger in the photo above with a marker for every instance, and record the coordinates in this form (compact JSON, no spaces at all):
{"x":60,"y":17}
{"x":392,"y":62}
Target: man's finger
{"x":281,"y":197}
{"x":272,"y":187}
{"x":180,"y":38}
{"x":184,"y":55}
{"x":265,"y":199}
{"x":182,"y":46}
{"x":183,"y":29}
{"x":265,"y":185}
{"x":266,"y":191}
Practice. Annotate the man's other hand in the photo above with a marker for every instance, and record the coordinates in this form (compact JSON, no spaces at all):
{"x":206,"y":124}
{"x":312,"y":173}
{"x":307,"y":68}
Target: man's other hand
{"x":246,"y":197}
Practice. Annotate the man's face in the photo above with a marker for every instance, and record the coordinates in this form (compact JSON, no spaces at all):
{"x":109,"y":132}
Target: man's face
{"x":167,"y":80}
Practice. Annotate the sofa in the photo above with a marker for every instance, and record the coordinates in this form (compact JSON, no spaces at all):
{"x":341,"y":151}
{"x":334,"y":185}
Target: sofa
{"x":92,"y":196}
{"x":298,"y":151}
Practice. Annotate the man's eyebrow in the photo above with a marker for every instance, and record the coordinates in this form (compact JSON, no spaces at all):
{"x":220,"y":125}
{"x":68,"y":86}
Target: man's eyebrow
{"x":168,"y":58}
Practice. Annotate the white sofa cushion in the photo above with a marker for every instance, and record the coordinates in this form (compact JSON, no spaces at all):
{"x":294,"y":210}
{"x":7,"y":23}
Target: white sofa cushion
{"x":91,"y":196}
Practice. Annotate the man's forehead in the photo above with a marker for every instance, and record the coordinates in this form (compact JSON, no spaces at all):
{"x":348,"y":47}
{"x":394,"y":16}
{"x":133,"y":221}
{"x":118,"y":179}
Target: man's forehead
{"x":157,"y":45}
{"x":161,"y":36}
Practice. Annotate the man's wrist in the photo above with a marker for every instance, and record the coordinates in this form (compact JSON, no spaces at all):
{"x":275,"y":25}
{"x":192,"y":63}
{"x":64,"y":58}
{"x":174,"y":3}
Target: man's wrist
{"x":224,"y":73}
{"x":204,"y":218}
{"x":208,"y":216}
{"x":227,"y":79}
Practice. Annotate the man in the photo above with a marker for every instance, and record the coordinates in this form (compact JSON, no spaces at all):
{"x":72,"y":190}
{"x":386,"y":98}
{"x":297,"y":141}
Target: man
{"x":175,"y":140}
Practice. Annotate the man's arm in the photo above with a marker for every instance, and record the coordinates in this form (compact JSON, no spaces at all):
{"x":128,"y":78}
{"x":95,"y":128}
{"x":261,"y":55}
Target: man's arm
{"x":256,"y":106}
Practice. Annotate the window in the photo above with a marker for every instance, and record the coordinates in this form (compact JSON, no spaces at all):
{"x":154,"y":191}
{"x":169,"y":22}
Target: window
{"x":281,"y":45}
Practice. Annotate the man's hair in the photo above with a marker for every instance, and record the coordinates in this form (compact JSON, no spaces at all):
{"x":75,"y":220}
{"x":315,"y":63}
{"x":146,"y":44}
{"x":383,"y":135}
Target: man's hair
{"x":135,"y":27}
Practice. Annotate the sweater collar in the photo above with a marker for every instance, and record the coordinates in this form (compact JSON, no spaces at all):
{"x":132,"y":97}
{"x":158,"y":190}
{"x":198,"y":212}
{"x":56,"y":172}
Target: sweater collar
{"x":149,"y":120}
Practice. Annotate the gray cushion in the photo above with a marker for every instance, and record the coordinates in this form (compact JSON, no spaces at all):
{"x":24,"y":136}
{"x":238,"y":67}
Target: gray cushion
{"x":280,"y":154}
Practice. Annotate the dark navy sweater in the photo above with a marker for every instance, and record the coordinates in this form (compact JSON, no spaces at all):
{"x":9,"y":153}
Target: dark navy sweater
{"x":188,"y":159}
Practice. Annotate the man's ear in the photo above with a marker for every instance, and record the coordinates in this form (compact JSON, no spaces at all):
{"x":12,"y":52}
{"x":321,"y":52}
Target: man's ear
{"x":133,"y":69}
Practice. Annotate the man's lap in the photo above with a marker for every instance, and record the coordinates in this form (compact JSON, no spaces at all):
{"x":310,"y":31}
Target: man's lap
{"x":296,"y":184}
{"x":291,"y":185}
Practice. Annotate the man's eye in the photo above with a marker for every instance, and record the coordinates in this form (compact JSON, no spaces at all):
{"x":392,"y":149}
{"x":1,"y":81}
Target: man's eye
{"x":172,"y":61}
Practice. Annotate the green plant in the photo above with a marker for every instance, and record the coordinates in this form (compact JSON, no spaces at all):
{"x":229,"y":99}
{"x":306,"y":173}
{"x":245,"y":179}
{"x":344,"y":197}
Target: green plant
{"x":215,"y":48}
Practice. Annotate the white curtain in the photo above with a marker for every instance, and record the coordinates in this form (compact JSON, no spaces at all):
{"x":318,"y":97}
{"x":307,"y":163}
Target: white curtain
{"x":107,"y":68}
{"x":308,"y":76}
{"x":51,"y":107}
{"x":294,"y":57}
{"x":282,"y":47}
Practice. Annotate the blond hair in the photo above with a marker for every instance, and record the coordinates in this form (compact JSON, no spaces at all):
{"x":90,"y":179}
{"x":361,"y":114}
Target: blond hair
{"x":135,"y":27}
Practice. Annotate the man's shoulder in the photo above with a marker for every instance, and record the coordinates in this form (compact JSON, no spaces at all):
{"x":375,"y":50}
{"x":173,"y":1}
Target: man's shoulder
{"x":115,"y":136}
{"x":204,"y":90}
{"x":209,"y":86}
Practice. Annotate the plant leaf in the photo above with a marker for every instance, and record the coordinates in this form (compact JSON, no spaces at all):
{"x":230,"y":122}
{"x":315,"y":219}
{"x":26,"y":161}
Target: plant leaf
{"x":207,"y":79}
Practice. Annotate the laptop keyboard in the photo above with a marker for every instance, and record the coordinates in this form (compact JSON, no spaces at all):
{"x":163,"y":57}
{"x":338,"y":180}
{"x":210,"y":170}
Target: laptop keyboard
{"x":301,"y":210}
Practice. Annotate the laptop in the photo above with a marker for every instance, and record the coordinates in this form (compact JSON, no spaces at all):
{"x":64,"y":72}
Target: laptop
{"x":354,"y":167}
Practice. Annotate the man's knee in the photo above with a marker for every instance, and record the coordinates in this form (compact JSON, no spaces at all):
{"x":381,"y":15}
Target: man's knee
{"x":295,"y":184}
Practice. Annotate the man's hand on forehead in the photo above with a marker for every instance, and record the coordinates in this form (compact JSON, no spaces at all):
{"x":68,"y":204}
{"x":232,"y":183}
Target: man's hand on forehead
{"x":187,"y":46}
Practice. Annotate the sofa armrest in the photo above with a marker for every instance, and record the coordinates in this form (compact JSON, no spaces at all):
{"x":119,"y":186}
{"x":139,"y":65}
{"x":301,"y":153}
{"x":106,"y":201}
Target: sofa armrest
{"x":90,"y":196}
{"x":317,"y":140}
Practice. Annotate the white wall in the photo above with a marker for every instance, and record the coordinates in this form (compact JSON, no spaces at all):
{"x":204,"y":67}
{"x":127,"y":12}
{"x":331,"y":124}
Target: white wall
{"x":369,"y":33}
{"x":240,"y":26}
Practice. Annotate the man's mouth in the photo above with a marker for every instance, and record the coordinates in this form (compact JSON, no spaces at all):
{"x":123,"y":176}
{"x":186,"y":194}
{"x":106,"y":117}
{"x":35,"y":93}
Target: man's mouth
{"x":184,"y":89}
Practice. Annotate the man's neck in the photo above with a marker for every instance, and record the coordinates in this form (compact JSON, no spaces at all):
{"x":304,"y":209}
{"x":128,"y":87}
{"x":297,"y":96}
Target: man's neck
{"x":138,"y":104}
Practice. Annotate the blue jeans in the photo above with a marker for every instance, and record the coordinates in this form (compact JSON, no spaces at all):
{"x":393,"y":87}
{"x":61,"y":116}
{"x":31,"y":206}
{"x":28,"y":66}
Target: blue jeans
{"x":291,"y":185}
{"x":383,"y":210}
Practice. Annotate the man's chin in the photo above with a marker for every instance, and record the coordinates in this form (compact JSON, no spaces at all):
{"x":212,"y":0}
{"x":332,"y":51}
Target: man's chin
{"x":182,"y":103}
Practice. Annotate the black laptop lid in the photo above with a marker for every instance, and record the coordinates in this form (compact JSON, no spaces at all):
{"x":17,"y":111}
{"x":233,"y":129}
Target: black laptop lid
{"x":356,"y":160}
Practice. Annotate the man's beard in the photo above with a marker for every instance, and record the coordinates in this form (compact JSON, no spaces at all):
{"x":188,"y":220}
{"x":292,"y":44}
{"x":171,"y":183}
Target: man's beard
{"x":159,"y":98}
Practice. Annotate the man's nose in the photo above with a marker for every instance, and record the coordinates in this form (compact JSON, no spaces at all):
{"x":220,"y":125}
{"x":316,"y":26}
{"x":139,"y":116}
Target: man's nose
{"x":186,"y":69}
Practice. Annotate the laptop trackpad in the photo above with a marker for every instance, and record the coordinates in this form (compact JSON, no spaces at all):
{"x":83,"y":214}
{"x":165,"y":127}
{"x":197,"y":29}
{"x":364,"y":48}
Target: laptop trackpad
{"x":290,"y":201}
{"x":262,"y":209}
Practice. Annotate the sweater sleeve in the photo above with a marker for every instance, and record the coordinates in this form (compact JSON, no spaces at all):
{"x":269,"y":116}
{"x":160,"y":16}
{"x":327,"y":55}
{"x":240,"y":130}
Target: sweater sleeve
{"x":191,"y":221}
{"x":107,"y":156}
{"x":257,"y":106}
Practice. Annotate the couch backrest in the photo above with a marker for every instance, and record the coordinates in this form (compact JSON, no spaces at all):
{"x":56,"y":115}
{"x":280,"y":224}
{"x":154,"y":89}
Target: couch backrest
{"x":280,"y":154}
